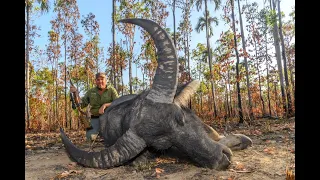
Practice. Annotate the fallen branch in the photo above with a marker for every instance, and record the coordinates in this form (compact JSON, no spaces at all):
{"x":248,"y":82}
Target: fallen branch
{"x":240,"y":171}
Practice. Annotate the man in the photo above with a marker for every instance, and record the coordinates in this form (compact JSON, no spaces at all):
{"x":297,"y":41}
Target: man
{"x":100,"y":98}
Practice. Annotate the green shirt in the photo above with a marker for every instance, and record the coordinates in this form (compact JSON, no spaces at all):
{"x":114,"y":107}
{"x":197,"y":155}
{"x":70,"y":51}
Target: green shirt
{"x":96,"y":100}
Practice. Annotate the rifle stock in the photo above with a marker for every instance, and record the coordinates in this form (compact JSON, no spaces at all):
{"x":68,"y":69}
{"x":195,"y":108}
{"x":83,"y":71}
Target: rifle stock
{"x":76,"y":100}
{"x":72,"y":102}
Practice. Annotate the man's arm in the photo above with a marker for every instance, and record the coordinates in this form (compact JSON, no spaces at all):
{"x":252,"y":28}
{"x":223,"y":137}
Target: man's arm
{"x":114,"y":95}
{"x":85,"y":100}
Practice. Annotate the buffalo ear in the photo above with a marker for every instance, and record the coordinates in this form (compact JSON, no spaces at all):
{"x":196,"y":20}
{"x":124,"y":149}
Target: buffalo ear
{"x":185,"y":92}
{"x":179,"y":117}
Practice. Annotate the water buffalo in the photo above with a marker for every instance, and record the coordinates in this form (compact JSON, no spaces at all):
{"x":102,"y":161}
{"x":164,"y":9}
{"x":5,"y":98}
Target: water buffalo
{"x":156,"y":118}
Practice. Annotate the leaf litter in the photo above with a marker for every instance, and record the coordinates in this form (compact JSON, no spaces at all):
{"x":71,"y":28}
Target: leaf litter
{"x":271,"y":157}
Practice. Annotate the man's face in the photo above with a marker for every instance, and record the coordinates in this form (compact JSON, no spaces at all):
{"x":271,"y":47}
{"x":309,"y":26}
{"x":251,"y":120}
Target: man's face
{"x":101,"y":82}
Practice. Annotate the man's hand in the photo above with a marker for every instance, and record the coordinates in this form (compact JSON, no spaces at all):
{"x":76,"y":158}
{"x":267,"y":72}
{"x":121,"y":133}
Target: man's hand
{"x":103,"y":107}
{"x":73,"y":89}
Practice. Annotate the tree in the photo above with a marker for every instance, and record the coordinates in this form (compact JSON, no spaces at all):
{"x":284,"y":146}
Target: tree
{"x":217,"y":4}
{"x":69,"y":14}
{"x":288,"y":30}
{"x":290,"y":112}
{"x":44,"y":7}
{"x":237,"y":64}
{"x":130,"y":9}
{"x":245,"y":63}
{"x":91,"y":27}
{"x":274,"y":24}
{"x":257,"y":29}
{"x":199,"y":54}
{"x":173,"y":4}
{"x":224,"y":53}
{"x":186,"y":29}
{"x":54,"y":48}
{"x":113,"y":74}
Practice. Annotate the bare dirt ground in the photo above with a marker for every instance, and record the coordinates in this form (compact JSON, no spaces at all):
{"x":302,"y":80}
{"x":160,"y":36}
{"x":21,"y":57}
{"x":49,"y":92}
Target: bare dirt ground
{"x":272,"y":156}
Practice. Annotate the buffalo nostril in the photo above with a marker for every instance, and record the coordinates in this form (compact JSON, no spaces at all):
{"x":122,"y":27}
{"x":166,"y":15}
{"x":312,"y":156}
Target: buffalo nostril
{"x":224,"y":163}
{"x":246,"y":141}
{"x":227,"y":151}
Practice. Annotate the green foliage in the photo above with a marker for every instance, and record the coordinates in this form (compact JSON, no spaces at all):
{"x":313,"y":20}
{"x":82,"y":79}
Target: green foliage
{"x":201,"y":24}
{"x":271,"y":17}
{"x":203,"y":88}
{"x":292,"y":14}
{"x":200,"y":52}
{"x":44,"y":75}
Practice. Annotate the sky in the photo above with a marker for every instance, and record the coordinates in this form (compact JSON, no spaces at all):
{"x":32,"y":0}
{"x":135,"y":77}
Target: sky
{"x":102,"y":10}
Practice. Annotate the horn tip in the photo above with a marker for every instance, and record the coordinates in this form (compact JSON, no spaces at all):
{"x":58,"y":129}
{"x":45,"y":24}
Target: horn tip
{"x":125,"y":20}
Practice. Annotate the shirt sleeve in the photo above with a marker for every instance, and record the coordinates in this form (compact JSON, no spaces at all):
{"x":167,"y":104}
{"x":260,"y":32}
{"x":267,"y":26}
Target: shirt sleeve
{"x":85,"y":100}
{"x":114,"y":94}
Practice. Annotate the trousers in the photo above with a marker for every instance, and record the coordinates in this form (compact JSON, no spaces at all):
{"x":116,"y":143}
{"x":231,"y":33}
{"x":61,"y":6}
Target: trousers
{"x":91,"y":134}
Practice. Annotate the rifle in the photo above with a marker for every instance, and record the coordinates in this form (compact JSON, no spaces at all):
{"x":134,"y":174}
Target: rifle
{"x":76,"y":104}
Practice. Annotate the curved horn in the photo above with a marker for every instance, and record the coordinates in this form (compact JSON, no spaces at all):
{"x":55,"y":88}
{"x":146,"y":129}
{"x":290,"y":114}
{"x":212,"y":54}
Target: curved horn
{"x":185,"y":92}
{"x":213,"y":134}
{"x":166,"y":78}
{"x":127,"y":146}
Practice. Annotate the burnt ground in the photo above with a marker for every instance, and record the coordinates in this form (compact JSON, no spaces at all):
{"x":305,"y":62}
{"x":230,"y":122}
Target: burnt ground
{"x":272,"y":156}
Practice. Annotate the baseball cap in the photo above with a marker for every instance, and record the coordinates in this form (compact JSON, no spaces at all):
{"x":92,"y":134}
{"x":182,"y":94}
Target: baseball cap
{"x":100,"y":74}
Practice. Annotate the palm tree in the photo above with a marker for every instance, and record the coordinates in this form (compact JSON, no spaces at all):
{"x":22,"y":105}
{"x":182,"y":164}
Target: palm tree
{"x":44,"y":7}
{"x":113,"y":71}
{"x":217,"y":4}
{"x":202,"y":23}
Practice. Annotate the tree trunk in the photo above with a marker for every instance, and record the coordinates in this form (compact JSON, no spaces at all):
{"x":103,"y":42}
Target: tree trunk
{"x":290,"y":112}
{"x":136,"y":83}
{"x":200,"y":87}
{"x":292,"y":80}
{"x":235,"y":101}
{"x":187,"y":39}
{"x":122,"y":81}
{"x":174,"y":23}
{"x":57,"y":94}
{"x":275,"y":98}
{"x":231,"y":114}
{"x":52,"y":99}
{"x":188,"y":57}
{"x":260,"y":91}
{"x":210,"y":60}
{"x":185,"y":51}
{"x":143,"y":79}
{"x":65,"y":81}
{"x":237,"y":64}
{"x":201,"y":102}
{"x":227,"y":102}
{"x":27,"y":72}
{"x":268,"y":83}
{"x":278,"y":57}
{"x":113,"y":69}
{"x":51,"y":110}
{"x":87,"y":72}
{"x":70,"y":116}
{"x":245,"y":63}
{"x":130,"y":65}
{"x":267,"y":66}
